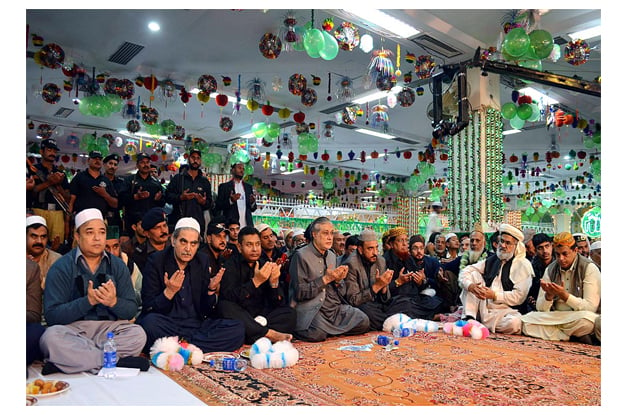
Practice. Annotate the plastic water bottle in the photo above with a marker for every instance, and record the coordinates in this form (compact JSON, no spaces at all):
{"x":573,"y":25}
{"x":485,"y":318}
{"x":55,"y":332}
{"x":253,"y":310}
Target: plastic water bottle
{"x":403,"y":332}
{"x":109,"y":361}
{"x":228,"y":364}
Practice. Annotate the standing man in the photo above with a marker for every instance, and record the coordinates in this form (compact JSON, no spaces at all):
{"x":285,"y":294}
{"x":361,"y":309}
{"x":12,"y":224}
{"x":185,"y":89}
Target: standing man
{"x":435,"y":224}
{"x":569,"y":296}
{"x":317,"y":290}
{"x":493,"y":289}
{"x":368,"y":279}
{"x":252,"y":293}
{"x":90,"y":189}
{"x":154,"y":224}
{"x":235,"y":198}
{"x":37,"y":246}
{"x":51,"y":193}
{"x":113,"y":217}
{"x":582,"y":243}
{"x":143,"y":191}
{"x":189,"y":192}
{"x":179,"y":296}
{"x":88,"y":294}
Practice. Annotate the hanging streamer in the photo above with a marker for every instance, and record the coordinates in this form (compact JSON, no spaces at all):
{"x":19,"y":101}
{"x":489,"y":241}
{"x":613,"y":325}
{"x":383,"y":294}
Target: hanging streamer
{"x":329,"y":86}
{"x":398,"y":72}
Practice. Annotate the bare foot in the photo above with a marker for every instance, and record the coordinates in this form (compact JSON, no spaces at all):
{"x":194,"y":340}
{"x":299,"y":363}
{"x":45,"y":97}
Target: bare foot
{"x":276,"y":336}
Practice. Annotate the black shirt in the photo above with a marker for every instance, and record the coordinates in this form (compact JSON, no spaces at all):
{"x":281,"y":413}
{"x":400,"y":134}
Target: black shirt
{"x":81,"y":187}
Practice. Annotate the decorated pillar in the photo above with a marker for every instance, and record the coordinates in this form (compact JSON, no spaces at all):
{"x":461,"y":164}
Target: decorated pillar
{"x":408,"y":214}
{"x":475,"y":165}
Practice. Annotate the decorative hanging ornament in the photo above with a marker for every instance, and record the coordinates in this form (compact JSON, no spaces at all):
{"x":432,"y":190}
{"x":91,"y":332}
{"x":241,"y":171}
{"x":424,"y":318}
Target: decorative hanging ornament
{"x":347,"y":36}
{"x":424,"y":66}
{"x":276,"y":83}
{"x":297,"y":84}
{"x":150,"y":83}
{"x":207,"y":84}
{"x":379,"y":116}
{"x":270,"y":46}
{"x":381,"y":66}
{"x":345,"y":91}
{"x":406,"y":97}
{"x":349,"y":115}
{"x":256,"y":90}
{"x":577,"y":52}
{"x":309,"y":97}
{"x":44,"y":131}
{"x":225,"y":123}
{"x":51,"y":93}
{"x":149,"y":116}
{"x":287,"y":32}
{"x":51,"y":56}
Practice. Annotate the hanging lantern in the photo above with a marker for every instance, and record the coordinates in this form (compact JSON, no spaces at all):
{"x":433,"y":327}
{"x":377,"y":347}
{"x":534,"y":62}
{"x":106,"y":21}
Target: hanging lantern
{"x":221,"y":100}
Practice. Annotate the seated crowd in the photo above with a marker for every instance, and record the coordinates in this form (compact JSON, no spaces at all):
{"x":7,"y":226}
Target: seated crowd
{"x":221,"y":283}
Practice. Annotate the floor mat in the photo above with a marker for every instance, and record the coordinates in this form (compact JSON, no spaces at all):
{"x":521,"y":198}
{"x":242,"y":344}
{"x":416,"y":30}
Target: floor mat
{"x":426,"y":369}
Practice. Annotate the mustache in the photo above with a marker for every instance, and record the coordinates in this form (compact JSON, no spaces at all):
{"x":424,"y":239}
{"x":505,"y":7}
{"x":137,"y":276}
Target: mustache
{"x":37,"y":245}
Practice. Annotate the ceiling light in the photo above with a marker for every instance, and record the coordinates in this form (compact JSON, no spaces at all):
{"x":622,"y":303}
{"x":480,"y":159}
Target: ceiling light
{"x":538,"y":96}
{"x":249,"y":135}
{"x":153,"y":26}
{"x":385,"y":21}
{"x":214,"y":94}
{"x":371,"y":97}
{"x":374,"y":133}
{"x":586,"y":33}
{"x":508,"y":132}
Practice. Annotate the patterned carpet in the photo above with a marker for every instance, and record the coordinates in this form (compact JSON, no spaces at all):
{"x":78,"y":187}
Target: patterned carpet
{"x":427,"y":369}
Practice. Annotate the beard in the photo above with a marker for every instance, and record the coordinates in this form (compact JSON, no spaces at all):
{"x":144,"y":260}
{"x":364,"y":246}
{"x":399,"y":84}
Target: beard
{"x":403,"y":255}
{"x":474,"y":256}
{"x":504,"y":256}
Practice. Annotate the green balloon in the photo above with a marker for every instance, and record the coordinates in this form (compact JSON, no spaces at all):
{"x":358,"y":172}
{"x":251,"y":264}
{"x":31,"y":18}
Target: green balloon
{"x":86,"y":141}
{"x":299,"y":44}
{"x":516,"y":42}
{"x":169,"y":127}
{"x":249,"y":169}
{"x":529,"y":211}
{"x":541,"y":42}
{"x":508,"y":110}
{"x":259,"y":129}
{"x":535,"y":113}
{"x":330,"y":48}
{"x":116,"y":102}
{"x":273,"y":130}
{"x":531,"y":64}
{"x":517,"y":123}
{"x":596,"y":137}
{"x":524,"y":111}
{"x":589,"y":143}
{"x":313,"y":42}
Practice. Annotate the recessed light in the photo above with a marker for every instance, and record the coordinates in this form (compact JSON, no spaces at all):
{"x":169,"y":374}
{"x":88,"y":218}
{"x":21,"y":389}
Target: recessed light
{"x":153,"y":26}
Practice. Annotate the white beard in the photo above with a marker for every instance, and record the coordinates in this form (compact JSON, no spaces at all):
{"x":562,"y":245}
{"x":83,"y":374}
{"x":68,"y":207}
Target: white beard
{"x":474,"y":256}
{"x":504,"y":256}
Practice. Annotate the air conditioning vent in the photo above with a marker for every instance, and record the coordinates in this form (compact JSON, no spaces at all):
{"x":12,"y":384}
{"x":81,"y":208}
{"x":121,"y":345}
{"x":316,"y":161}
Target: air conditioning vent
{"x":559,"y":40}
{"x":63,"y":112}
{"x":429,"y":43}
{"x":125,"y":53}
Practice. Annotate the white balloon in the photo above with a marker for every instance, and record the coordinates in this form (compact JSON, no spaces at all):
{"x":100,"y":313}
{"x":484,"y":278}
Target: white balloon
{"x":119,"y":141}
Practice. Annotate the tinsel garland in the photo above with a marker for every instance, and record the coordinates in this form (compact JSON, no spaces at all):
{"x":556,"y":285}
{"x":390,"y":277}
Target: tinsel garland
{"x":475,"y":172}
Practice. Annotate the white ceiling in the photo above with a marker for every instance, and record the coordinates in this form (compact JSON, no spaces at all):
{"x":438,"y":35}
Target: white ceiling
{"x":225,"y":43}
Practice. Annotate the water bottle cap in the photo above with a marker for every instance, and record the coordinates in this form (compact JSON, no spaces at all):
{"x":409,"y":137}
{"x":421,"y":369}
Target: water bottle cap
{"x":110,"y":335}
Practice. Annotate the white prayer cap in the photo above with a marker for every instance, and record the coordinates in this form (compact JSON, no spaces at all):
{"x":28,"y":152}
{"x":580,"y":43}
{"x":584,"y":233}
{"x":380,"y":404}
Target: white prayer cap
{"x":512,"y":231}
{"x":368,"y":235}
{"x":87,"y":215}
{"x":595,"y":245}
{"x":188,"y":223}
{"x":298,"y":232}
{"x":262,"y":227}
{"x":449,"y":236}
{"x":34,"y":219}
{"x":437,"y":204}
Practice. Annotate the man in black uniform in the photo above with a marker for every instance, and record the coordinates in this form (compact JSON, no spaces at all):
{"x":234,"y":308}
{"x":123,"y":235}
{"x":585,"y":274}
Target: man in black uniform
{"x":189,"y":192}
{"x":90,"y":189}
{"x":216,"y":248}
{"x":143,"y":191}
{"x":113,"y":217}
{"x":154,"y":225}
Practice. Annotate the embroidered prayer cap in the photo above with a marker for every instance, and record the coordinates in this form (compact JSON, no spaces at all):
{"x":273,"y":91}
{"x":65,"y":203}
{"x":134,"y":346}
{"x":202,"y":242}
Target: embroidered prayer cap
{"x":298,"y":232}
{"x":188,"y":223}
{"x":395,"y":232}
{"x":580,"y":237}
{"x":87,"y":215}
{"x":153,"y":217}
{"x":564,"y":239}
{"x":512,"y":231}
{"x":367,"y":235}
{"x":34,"y":219}
{"x":449,"y":236}
{"x":112,"y":232}
{"x":595,"y":245}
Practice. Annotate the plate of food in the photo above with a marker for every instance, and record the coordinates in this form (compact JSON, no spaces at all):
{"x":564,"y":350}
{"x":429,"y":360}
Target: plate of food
{"x":218,"y":356}
{"x":41,"y":388}
{"x":246,"y":353}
